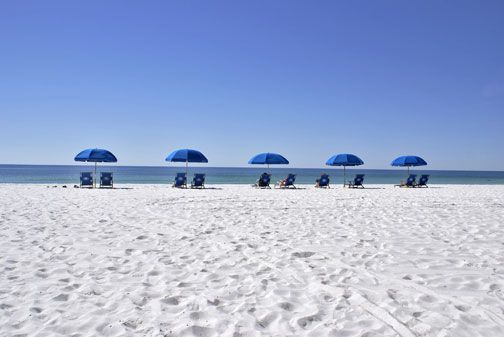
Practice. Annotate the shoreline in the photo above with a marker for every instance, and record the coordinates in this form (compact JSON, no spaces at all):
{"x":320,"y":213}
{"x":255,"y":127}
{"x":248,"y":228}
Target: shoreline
{"x":224,"y":185}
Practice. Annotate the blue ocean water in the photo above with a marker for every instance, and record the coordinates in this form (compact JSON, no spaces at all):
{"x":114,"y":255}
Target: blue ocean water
{"x":69,"y":174}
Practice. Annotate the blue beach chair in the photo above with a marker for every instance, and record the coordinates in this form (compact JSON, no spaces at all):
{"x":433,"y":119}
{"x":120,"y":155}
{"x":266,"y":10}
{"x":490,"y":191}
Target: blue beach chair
{"x":357,"y":182}
{"x":410,"y":182}
{"x":86,"y":179}
{"x":263,"y":181}
{"x":198,"y":181}
{"x":288,"y":182}
{"x":106,"y":180}
{"x":323,"y":181}
{"x":422,"y":182}
{"x":180,"y":180}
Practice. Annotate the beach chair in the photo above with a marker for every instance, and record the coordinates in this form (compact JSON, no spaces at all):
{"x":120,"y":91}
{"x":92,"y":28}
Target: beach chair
{"x":288,"y":182}
{"x":323,"y":181}
{"x":357,"y":182}
{"x":106,"y":180}
{"x":86,"y":179}
{"x":410,"y":182}
{"x":263,"y":181}
{"x":422,"y":182}
{"x":198,"y":181}
{"x":180,"y":180}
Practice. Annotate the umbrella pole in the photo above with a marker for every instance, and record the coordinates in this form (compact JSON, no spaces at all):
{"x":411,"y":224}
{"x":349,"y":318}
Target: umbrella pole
{"x":186,"y":166}
{"x":94,"y":180}
{"x":344,"y":175}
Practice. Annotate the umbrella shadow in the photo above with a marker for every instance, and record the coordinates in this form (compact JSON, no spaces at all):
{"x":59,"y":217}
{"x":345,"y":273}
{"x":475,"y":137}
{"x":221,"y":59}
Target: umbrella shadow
{"x":98,"y":188}
{"x":202,"y":189}
{"x":290,"y":189}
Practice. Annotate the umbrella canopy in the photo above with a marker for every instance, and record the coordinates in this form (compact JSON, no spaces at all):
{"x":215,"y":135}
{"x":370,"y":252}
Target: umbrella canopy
{"x":408,"y":161}
{"x":96,"y":156}
{"x":187,"y":156}
{"x":344,"y":159}
{"x":269,"y":159}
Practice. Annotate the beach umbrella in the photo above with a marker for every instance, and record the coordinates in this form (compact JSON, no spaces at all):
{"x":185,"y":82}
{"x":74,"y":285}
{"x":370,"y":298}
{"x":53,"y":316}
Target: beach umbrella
{"x":408,"y":161}
{"x":187,"y":156}
{"x":268,"y":159}
{"x":344,"y":159}
{"x":96,"y":156}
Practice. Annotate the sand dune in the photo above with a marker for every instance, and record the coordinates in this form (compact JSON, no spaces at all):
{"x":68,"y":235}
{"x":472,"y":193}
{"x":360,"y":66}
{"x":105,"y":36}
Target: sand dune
{"x":235,"y":261}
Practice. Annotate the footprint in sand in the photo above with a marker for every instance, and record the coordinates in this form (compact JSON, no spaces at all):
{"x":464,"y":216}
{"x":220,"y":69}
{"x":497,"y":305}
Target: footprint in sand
{"x":305,"y":322}
{"x":463,"y":308}
{"x":200,"y":331}
{"x":286,"y":306}
{"x":215,"y":302}
{"x":36,"y":310}
{"x":71,"y":287}
{"x":61,"y":298}
{"x":303,"y":254}
{"x":171,"y":300}
{"x":267,"y":320}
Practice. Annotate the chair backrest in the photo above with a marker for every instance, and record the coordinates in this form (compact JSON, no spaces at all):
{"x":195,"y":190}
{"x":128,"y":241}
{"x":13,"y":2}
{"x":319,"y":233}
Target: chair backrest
{"x":264,"y":179}
{"x":180,"y":179}
{"x":199,"y":179}
{"x":359,"y":179}
{"x":291,"y":178}
{"x":324,"y":180}
{"x":86,"y":178}
{"x":423,"y":179}
{"x":106,"y":179}
{"x":411,"y":180}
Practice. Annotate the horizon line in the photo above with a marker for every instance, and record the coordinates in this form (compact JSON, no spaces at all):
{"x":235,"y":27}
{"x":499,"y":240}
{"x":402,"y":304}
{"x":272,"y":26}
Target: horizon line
{"x":257,"y":166}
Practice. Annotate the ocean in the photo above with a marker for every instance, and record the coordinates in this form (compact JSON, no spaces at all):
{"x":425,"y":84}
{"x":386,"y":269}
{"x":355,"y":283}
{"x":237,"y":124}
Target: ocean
{"x":69,"y":174}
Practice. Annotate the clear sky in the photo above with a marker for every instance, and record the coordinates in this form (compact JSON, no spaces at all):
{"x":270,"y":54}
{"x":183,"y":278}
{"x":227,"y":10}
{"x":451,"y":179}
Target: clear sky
{"x":307,"y":79}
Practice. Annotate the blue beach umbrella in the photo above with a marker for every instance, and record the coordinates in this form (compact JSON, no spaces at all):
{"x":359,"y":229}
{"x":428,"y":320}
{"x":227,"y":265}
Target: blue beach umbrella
{"x":96,"y":156}
{"x":344,"y":159}
{"x":268,"y":159}
{"x":187,"y":156}
{"x":408,"y":161}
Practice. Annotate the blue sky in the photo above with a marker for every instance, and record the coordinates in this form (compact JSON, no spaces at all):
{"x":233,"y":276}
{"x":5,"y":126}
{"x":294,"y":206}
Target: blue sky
{"x":307,"y":79}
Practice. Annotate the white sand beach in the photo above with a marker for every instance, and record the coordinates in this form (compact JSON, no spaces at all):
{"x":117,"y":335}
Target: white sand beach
{"x":149,"y":260}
